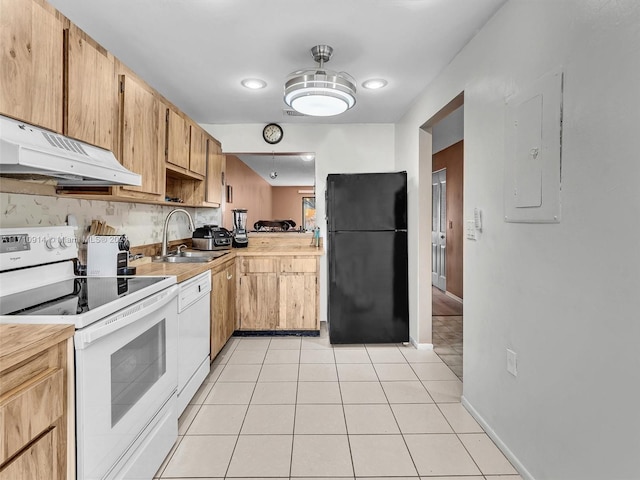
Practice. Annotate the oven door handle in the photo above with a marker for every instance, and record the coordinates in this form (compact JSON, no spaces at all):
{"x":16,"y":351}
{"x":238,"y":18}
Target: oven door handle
{"x":121,"y":319}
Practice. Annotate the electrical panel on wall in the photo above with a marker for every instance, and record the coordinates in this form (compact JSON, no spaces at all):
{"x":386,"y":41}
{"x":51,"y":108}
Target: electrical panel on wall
{"x":533,"y":134}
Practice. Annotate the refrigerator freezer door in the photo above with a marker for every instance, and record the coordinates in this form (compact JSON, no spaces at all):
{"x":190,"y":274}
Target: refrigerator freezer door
{"x":367,"y":201}
{"x":368,"y":287}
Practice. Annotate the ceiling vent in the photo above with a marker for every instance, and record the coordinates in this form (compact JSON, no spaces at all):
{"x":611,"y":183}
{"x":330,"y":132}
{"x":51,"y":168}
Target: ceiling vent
{"x":292,"y":113}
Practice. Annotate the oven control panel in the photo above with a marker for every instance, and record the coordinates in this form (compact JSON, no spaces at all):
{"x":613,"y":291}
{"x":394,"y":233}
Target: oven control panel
{"x":29,"y":246}
{"x":14,"y":243}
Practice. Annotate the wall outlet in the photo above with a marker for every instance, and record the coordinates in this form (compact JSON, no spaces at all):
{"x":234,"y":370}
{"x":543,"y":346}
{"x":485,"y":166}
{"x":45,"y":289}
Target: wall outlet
{"x":512,"y":362}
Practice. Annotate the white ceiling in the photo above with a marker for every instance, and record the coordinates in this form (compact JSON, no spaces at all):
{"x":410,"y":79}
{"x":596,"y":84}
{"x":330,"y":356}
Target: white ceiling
{"x":196,"y":52}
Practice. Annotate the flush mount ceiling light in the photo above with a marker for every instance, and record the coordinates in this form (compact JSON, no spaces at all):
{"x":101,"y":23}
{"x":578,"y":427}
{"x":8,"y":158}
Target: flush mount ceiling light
{"x":253,"y":83}
{"x":320,"y":92}
{"x":374,"y":83}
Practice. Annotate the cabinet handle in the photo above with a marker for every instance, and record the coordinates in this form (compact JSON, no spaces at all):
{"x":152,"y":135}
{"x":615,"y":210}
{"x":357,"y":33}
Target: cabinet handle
{"x":229,"y":277}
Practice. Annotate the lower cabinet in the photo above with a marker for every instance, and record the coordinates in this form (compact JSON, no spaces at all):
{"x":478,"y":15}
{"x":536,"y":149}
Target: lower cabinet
{"x":36,"y":411}
{"x":278,"y":293}
{"x":223,"y":305}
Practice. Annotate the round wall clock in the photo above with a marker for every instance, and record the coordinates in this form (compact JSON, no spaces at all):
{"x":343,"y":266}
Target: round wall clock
{"x":272,"y":133}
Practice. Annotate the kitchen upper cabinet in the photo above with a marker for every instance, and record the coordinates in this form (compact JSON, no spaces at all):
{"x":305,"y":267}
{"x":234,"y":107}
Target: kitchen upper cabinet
{"x":178,"y":139}
{"x":31,"y":62}
{"x":91,"y":91}
{"x":215,"y":173}
{"x":223,"y":306}
{"x":198,"y":151}
{"x":142,"y":135}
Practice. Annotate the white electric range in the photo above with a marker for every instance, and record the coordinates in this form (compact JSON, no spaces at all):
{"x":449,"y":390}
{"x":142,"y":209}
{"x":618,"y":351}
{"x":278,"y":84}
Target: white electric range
{"x":126,"y":344}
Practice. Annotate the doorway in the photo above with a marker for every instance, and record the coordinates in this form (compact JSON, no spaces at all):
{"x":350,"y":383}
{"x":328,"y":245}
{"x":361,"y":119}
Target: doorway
{"x":439,"y":229}
{"x":447,"y":236}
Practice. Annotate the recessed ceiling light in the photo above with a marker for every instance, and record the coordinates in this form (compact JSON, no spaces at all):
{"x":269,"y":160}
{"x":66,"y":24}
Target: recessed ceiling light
{"x":253,"y":83}
{"x":374,"y":83}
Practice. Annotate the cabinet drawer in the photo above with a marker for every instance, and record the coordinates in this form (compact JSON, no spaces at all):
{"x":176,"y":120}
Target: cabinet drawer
{"x":38,"y":461}
{"x":298,"y":265}
{"x":258,"y":265}
{"x":29,"y":410}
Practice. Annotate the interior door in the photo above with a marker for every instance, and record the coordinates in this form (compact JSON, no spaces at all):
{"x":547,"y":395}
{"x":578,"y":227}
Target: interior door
{"x":438,"y":229}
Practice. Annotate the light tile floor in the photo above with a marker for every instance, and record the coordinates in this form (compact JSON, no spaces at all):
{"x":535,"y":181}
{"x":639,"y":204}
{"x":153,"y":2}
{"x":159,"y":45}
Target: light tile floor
{"x":290,"y":407}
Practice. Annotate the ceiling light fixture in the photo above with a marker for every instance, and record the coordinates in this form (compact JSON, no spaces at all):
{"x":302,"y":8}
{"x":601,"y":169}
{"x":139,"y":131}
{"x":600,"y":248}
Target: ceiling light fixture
{"x":253,"y":83}
{"x":320,"y":92}
{"x":273,"y":175}
{"x":307,"y":157}
{"x":374,"y":83}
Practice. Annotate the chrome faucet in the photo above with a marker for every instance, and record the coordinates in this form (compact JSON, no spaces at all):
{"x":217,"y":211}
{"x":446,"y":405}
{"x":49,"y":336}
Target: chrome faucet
{"x":163,"y":251}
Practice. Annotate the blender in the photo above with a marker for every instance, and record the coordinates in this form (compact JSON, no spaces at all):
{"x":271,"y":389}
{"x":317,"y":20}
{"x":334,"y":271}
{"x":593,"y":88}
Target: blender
{"x":240,"y":238}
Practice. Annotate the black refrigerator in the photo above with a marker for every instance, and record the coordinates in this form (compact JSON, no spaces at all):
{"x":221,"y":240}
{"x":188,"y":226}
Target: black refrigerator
{"x":368,"y":300}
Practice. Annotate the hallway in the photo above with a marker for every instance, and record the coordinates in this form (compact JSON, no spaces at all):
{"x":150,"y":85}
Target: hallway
{"x":447,"y":321}
{"x":288,"y":407}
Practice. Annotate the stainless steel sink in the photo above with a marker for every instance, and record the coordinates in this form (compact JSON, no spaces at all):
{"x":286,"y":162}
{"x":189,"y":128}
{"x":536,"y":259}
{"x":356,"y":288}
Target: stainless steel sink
{"x":181,"y":259}
{"x":190,"y":256}
{"x":202,"y":253}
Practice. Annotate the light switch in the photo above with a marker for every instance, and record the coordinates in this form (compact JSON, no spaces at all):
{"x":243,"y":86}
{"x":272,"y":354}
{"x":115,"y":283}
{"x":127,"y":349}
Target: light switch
{"x":471,"y":230}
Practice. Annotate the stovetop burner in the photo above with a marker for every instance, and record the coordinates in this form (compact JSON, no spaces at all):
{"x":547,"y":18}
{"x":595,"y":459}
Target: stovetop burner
{"x":73,"y":296}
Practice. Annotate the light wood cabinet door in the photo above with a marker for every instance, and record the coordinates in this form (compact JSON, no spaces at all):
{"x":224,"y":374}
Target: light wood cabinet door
{"x":91,"y":91}
{"x":230,"y":321}
{"x":142,"y":135}
{"x":278,"y":293}
{"x":37,"y":461}
{"x":219,"y":310}
{"x":215,"y":178}
{"x":178,"y":139}
{"x":31,"y":62}
{"x":258,"y":301}
{"x":198,"y":151}
{"x":297,"y":297}
{"x":36,"y":405}
{"x":223,"y":307}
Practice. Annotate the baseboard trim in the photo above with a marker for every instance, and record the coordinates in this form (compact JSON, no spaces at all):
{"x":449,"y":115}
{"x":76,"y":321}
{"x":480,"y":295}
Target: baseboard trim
{"x":454,"y":297}
{"x":524,"y":473}
{"x":420,"y":346}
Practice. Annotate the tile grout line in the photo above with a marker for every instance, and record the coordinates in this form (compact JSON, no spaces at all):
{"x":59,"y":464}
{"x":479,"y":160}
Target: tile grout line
{"x":235,"y":445}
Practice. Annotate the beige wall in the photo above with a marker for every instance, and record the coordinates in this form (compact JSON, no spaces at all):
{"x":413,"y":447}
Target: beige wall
{"x":250,"y":191}
{"x":287,"y":203}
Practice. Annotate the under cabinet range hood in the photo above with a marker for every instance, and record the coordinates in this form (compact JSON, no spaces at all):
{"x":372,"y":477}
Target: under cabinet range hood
{"x":30,"y":152}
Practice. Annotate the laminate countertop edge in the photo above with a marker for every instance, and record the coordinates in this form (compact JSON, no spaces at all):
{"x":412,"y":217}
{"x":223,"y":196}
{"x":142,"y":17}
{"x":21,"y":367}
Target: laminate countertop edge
{"x":185,"y":271}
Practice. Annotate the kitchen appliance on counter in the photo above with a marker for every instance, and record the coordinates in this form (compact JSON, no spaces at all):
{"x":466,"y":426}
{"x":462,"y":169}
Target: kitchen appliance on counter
{"x":368,"y":287}
{"x":240,"y":238}
{"x":211,"y":237}
{"x":125,"y":346}
{"x":107,"y":255}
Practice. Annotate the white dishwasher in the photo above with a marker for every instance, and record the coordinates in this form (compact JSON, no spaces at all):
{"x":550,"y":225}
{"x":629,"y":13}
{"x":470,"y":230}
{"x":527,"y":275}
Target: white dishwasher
{"x":194,"y":309}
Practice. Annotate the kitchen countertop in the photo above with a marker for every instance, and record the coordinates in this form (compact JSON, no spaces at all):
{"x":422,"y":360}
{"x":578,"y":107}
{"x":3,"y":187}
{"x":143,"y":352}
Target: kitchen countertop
{"x":185,"y":271}
{"x":19,"y":342}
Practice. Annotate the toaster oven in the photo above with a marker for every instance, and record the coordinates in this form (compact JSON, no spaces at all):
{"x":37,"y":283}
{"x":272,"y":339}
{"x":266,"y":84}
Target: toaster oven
{"x":211,"y":237}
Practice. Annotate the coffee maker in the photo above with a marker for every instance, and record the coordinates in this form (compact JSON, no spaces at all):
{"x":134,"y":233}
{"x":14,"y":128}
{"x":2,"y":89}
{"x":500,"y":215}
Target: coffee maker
{"x":240,"y":239}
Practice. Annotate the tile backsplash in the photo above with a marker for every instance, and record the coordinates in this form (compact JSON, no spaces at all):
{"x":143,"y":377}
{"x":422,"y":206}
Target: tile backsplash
{"x":142,"y":223}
